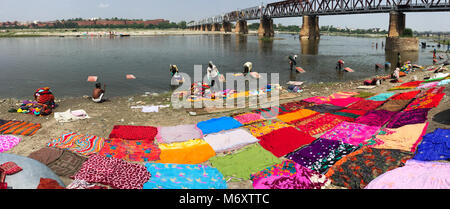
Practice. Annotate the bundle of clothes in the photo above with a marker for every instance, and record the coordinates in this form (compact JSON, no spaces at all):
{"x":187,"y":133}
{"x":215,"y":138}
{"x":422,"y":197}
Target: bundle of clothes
{"x":43,"y":105}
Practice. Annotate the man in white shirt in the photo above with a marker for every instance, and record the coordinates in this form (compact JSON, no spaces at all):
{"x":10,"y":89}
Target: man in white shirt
{"x":212,"y":73}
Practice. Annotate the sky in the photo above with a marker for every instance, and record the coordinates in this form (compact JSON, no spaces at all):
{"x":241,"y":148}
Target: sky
{"x":187,"y":10}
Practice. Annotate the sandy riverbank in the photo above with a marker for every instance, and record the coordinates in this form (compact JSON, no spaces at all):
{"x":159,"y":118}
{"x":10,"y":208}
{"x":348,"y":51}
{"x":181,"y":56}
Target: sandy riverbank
{"x":117,"y":111}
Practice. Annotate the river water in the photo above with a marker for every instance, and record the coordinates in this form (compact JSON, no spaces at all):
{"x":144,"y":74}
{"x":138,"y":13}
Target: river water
{"x":64,"y":63}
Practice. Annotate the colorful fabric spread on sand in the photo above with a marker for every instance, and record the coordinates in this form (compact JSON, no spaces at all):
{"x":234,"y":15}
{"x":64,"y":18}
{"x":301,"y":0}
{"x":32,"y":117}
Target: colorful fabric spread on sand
{"x":395,"y":105}
{"x":344,"y":118}
{"x":342,"y":95}
{"x":116,"y":173}
{"x":265,"y":127}
{"x":344,"y":102}
{"x":428,"y":101}
{"x":133,"y":132}
{"x":229,"y":140}
{"x":415,"y":175}
{"x":444,"y":82}
{"x":351,"y":133}
{"x":294,"y":106}
{"x":184,"y":176}
{"x":366,"y":105}
{"x":405,"y":138}
{"x":359,"y":168}
{"x":321,"y":154}
{"x":364,"y":94}
{"x":181,"y":133}
{"x":408,"y":85}
{"x":240,"y":165}
{"x":2,"y":122}
{"x":434,"y":146}
{"x":428,"y":85}
{"x":317,"y":99}
{"x":284,"y":141}
{"x":20,"y":128}
{"x":406,"y":96}
{"x":288,"y":175}
{"x":216,"y":125}
{"x":351,"y":117}
{"x":271,"y":112}
{"x":408,"y":117}
{"x":189,"y":152}
{"x":248,"y":118}
{"x":375,"y":118}
{"x":318,"y":124}
{"x":297,"y":115}
{"x":62,"y":162}
{"x":131,"y":150}
{"x":381,"y":97}
{"x":8,"y":142}
{"x":81,"y":144}
{"x":325,"y":108}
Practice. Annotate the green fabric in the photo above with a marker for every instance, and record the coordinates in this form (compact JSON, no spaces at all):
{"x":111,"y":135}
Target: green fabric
{"x":364,"y":94}
{"x":435,"y":79}
{"x":242,"y":164}
{"x":347,"y":114}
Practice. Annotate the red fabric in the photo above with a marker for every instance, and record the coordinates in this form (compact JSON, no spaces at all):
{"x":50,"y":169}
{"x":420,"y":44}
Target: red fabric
{"x":412,"y":84}
{"x":134,"y":132}
{"x":45,"y":183}
{"x":356,"y":112}
{"x":283,"y":141}
{"x":366,"y":105}
{"x":3,"y":186}
{"x":348,"y":119}
{"x":10,"y":168}
{"x":436,"y":90}
{"x":406,"y":96}
{"x":344,"y":102}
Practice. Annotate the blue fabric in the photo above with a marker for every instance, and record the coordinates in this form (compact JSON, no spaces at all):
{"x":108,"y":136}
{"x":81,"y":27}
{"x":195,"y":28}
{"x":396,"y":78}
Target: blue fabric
{"x":434,"y":146}
{"x":183,"y":176}
{"x":381,"y":97}
{"x":216,"y":125}
{"x":444,"y":82}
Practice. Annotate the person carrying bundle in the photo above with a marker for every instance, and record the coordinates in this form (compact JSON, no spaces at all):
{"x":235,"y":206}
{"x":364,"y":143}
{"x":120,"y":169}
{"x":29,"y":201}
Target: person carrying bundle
{"x":247,"y":68}
{"x":292,"y":61}
{"x":340,"y":65}
{"x":173,"y":70}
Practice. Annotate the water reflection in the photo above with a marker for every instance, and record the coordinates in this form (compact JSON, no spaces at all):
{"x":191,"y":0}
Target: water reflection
{"x":310,"y":47}
{"x":293,"y":75}
{"x":392,"y":57}
{"x":241,"y":42}
{"x":265,"y":46}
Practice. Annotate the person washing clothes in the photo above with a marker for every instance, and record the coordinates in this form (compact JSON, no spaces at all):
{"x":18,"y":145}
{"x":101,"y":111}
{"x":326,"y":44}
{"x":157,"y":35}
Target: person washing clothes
{"x":396,"y":75}
{"x":98,"y":93}
{"x":247,"y":68}
{"x":212,"y":73}
{"x":173,"y":70}
{"x":292,"y":61}
{"x":340,"y":65}
{"x":399,"y":58}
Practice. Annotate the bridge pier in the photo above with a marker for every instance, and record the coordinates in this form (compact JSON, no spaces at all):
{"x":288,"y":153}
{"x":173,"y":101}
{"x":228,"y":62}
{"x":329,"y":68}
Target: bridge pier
{"x":395,"y":42}
{"x":266,"y":27}
{"x":396,"y":24}
{"x":208,"y":27}
{"x":226,"y":27}
{"x":203,"y":28}
{"x":310,"y":27}
{"x":215,"y":27}
{"x":241,"y":27}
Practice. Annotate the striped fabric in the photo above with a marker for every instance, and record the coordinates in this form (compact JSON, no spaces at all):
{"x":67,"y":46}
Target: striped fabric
{"x":19,"y":128}
{"x":82,"y":144}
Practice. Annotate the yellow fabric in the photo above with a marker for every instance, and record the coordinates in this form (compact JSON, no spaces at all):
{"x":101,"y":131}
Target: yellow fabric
{"x":190,"y":152}
{"x":265,"y":127}
{"x":297,"y":115}
{"x":404,"y":138}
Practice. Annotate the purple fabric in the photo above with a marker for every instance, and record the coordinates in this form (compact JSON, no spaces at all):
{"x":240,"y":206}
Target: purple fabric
{"x":376,"y":117}
{"x":409,"y":117}
{"x":313,"y":152}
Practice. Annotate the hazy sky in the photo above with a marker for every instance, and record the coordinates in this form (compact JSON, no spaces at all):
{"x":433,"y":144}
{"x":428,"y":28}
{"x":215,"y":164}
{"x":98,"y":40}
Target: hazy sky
{"x":178,"y":10}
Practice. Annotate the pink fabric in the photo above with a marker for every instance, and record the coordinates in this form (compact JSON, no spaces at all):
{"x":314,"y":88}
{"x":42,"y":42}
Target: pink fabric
{"x":414,"y":175}
{"x":317,"y":99}
{"x":344,"y":102}
{"x":8,"y":142}
{"x":352,"y":133}
{"x":342,"y":95}
{"x":249,"y":118}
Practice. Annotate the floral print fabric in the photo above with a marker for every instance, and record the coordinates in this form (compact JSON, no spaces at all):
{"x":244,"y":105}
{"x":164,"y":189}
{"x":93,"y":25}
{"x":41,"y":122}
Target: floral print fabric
{"x":131,"y":150}
{"x":265,"y":127}
{"x":351,"y":133}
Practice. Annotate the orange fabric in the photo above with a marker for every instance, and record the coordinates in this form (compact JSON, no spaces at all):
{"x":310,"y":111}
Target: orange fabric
{"x":343,"y":160}
{"x":190,"y":152}
{"x":297,"y":115}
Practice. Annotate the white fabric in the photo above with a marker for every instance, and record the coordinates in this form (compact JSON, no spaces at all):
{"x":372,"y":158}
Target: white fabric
{"x":229,"y":140}
{"x":70,"y":116}
{"x":149,"y":108}
{"x":99,"y":99}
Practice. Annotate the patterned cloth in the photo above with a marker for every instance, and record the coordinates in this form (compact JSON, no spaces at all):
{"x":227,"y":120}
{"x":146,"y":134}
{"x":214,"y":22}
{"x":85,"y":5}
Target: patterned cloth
{"x":181,"y":133}
{"x":359,"y":168}
{"x":395,"y":105}
{"x":189,"y":152}
{"x":271,"y":112}
{"x":113,"y":172}
{"x":216,"y":125}
{"x":351,"y":133}
{"x":376,"y":118}
{"x":62,"y":162}
{"x":265,"y":127}
{"x":428,"y":85}
{"x":20,"y":128}
{"x":249,"y":118}
{"x":325,"y":108}
{"x":81,"y":144}
{"x":344,"y":102}
{"x":342,"y":95}
{"x":366,"y":105}
{"x":408,"y":85}
{"x":405,"y":96}
{"x":297,"y":115}
{"x":414,"y":175}
{"x":405,"y":138}
{"x":381,"y":97}
{"x":230,"y":140}
{"x":427,"y":101}
{"x":408,"y":117}
{"x":318,"y":124}
{"x":182,"y":176}
{"x":317,"y":99}
{"x":131,"y":150}
{"x":288,"y":175}
{"x":133,"y":132}
{"x":434,"y":146}
{"x":321,"y":154}
{"x":240,"y":165}
{"x":8,"y":142}
{"x":284,"y":141}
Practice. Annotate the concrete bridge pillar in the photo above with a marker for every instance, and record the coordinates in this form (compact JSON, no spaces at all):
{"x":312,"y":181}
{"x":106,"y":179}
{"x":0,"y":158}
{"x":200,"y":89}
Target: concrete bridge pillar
{"x":216,"y":27}
{"x":208,"y":27}
{"x":241,"y":27}
{"x":266,"y":27}
{"x":310,"y":27}
{"x":226,"y":27}
{"x":203,"y":28}
{"x":396,"y":24}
